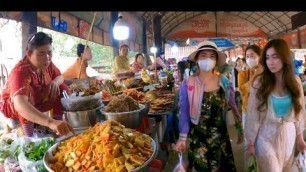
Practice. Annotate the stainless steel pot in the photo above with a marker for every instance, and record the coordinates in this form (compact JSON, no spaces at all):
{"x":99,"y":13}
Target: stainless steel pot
{"x":83,"y":119}
{"x":128,"y":119}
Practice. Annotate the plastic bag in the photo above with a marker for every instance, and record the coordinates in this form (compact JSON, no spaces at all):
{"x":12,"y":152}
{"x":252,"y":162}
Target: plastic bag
{"x":11,"y":165}
{"x":12,"y":123}
{"x":301,"y":161}
{"x":180,"y":166}
{"x":79,"y":103}
{"x":28,"y":165}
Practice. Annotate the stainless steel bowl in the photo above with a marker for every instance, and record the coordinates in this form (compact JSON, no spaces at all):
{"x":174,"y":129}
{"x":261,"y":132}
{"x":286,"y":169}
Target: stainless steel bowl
{"x":143,"y":168}
{"x":128,"y":119}
{"x":83,"y":119}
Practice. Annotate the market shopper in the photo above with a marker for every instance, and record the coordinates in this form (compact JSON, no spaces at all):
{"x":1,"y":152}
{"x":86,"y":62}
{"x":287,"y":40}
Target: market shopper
{"x":223,"y":67}
{"x":245,"y":77}
{"x":203,"y":108}
{"x":80,"y":65}
{"x":240,"y":65}
{"x":183,"y":71}
{"x":34,"y":86}
{"x":137,"y":65}
{"x":160,"y":62}
{"x":276,"y":109}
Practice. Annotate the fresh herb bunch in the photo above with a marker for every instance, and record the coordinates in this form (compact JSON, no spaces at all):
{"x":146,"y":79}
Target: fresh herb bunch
{"x":252,"y":164}
{"x":5,"y":146}
{"x":41,"y":168}
{"x":238,"y":127}
{"x":36,"y":152}
{"x":4,"y":153}
{"x":16,"y":151}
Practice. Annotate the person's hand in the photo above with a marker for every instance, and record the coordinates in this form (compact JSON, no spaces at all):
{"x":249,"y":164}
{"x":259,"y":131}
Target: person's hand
{"x":250,"y":150}
{"x":301,"y":145}
{"x":53,"y":90}
{"x":180,"y":146}
{"x":60,"y":127}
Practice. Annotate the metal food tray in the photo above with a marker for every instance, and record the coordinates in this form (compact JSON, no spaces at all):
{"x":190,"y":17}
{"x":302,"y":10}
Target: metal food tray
{"x":48,"y":155}
{"x":159,"y":113}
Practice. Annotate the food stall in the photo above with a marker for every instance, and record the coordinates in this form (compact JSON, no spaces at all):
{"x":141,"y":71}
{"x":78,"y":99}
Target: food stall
{"x":100,"y":112}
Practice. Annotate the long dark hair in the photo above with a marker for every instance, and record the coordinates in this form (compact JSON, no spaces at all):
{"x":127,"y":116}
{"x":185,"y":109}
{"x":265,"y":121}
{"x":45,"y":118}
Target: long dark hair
{"x":80,"y":49}
{"x":238,"y":59}
{"x":267,"y":79}
{"x":181,"y":66}
{"x":255,"y":48}
{"x":137,"y":55}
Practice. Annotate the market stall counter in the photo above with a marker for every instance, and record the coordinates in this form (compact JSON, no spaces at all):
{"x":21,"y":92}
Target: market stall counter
{"x":122,"y":148}
{"x":160,"y":108}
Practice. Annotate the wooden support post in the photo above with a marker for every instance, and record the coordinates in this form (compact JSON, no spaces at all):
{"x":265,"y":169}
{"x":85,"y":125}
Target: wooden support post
{"x":157,"y":32}
{"x":115,"y":43}
{"x":29,"y":27}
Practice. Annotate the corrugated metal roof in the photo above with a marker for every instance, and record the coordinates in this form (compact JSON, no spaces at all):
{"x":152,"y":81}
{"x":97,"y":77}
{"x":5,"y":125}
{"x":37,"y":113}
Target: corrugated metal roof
{"x":272,"y":23}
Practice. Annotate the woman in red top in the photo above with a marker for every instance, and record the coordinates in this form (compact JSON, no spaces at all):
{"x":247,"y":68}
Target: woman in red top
{"x":33,"y":87}
{"x":137,"y":65}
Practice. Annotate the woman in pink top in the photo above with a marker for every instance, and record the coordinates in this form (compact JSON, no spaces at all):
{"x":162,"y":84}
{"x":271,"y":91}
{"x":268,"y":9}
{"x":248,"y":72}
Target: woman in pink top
{"x":137,"y":65}
{"x":204,"y":101}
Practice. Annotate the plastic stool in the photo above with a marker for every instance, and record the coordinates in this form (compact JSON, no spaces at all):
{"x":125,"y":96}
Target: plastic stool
{"x":155,"y":165}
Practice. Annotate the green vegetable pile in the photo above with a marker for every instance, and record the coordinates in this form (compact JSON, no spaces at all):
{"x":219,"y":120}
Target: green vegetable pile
{"x":36,"y":152}
{"x":41,"y":168}
{"x":5,"y":149}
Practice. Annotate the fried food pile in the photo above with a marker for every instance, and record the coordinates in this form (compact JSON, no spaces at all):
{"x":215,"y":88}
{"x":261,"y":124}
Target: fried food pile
{"x":151,"y":95}
{"x":137,"y":95}
{"x":113,"y":87}
{"x":107,"y":146}
{"x":76,"y":87}
{"x":162,"y":104}
{"x":133,"y":83}
{"x":128,"y":82}
{"x":122,"y":103}
{"x":106,"y":96}
{"x":91,"y":91}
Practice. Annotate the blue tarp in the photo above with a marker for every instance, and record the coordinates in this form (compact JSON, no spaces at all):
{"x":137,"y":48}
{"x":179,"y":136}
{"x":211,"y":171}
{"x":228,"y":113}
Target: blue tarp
{"x":222,"y":42}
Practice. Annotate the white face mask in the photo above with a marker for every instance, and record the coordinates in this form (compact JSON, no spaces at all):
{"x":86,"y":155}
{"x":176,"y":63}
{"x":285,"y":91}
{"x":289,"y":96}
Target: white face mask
{"x":252,"y":62}
{"x":207,"y":64}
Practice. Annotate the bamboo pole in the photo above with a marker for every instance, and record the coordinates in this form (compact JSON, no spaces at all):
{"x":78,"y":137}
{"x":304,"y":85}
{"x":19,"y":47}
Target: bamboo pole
{"x":92,"y":22}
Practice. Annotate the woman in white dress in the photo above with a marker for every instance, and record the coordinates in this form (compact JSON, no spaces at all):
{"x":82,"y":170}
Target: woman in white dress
{"x":276,"y":109}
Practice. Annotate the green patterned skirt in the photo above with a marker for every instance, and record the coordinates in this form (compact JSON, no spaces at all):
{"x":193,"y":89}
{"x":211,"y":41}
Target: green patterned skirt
{"x":210,"y":147}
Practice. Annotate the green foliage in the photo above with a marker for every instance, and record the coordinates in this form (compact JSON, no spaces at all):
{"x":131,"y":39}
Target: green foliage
{"x":36,"y":152}
{"x":102,"y":56}
{"x":238,"y":127}
{"x":131,"y":56}
{"x":41,"y":168}
{"x":252,"y":164}
{"x":16,"y":151}
{"x":4,"y":153}
{"x":5,"y":146}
